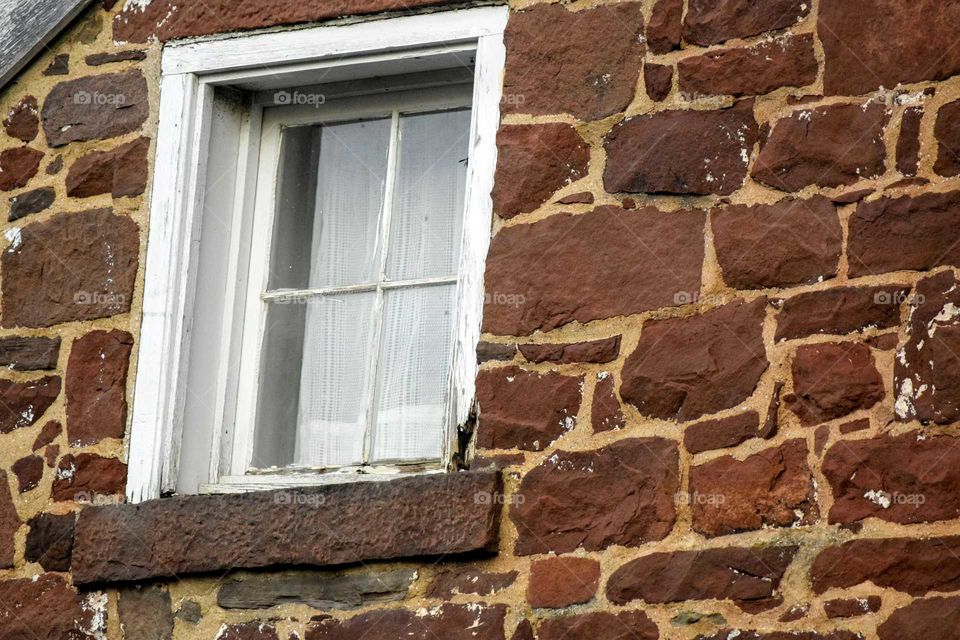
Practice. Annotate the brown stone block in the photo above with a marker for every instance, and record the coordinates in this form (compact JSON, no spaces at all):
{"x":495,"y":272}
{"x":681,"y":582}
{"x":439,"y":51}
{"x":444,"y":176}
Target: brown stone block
{"x":168,"y":19}
{"x":75,"y":266}
{"x":50,"y":541}
{"x":912,"y":565}
{"x":712,"y":21}
{"x":658,"y":80}
{"x":832,"y":380}
{"x":452,"y":582}
{"x":773,"y":488}
{"x":45,"y":607}
{"x":784,"y":62}
{"x":97,"y":386}
{"x":908,"y":233}
{"x":23,"y":403}
{"x":48,"y":433}
{"x":29,"y":354}
{"x":95,"y":107}
{"x":908,"y":144}
{"x":621,"y":494}
{"x":872,"y":43}
{"x":927,"y":619}
{"x":29,"y":472}
{"x":826,"y":146}
{"x":579,"y":268}
{"x":626,"y":625}
{"x":560,"y":582}
{"x":851,"y":607}
{"x":446,"y":622}
{"x":721,"y":433}
{"x":525,"y":409}
{"x":17,"y":166}
{"x":9,"y":524}
{"x":683,"y":152}
{"x":86,"y":476}
{"x":787,"y":243}
{"x":595,"y":351}
{"x":926,"y":375}
{"x":840,"y":310}
{"x":534,"y":161}
{"x":684,"y":368}
{"x":121,"y":172}
{"x":557,"y":61}
{"x":21,"y":120}
{"x":728,"y":573}
{"x":605,"y":412}
{"x":907,"y":479}
{"x":253,"y":630}
{"x":427,"y":515}
{"x":665,"y":26}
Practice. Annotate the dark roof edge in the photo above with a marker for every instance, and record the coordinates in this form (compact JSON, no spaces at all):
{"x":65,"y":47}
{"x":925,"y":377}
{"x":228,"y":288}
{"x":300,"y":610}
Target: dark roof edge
{"x":26,"y":28}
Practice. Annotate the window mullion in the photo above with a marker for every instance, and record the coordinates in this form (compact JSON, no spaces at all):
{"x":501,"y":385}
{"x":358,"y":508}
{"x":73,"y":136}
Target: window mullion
{"x":384,"y":241}
{"x":285,"y":295}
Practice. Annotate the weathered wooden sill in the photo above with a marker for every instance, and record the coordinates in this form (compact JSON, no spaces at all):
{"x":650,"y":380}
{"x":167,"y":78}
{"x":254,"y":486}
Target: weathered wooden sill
{"x":331,"y":525}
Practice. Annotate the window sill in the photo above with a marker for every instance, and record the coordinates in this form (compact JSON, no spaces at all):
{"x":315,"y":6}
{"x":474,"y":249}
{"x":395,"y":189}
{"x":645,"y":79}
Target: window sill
{"x":367,"y":473}
{"x":424,"y":515}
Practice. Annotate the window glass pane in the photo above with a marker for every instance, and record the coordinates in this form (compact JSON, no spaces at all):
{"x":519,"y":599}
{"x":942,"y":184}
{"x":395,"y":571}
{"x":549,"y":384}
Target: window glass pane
{"x":279,"y":385}
{"x":332,"y":416}
{"x":296,"y":202}
{"x":313,"y":381}
{"x":332,"y":238}
{"x":413,"y":364}
{"x":427,"y":216}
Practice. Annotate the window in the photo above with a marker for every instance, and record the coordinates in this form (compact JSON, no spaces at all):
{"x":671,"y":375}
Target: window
{"x":358,"y":314}
{"x":319,"y":220}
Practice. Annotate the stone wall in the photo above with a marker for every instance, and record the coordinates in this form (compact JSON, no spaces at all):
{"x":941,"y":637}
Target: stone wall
{"x":719,"y":368}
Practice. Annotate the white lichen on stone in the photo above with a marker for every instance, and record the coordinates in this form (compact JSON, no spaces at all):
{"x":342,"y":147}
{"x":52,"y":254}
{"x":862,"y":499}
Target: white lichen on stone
{"x":904,"y":405}
{"x":14,"y":237}
{"x":880,"y":498}
{"x":66,"y":474}
{"x":96,"y":604}
{"x":138,"y":5}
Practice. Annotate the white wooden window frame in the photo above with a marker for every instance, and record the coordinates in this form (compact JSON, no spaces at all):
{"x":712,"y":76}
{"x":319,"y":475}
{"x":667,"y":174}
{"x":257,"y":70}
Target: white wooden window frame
{"x":386,"y":106}
{"x":191,"y":72}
